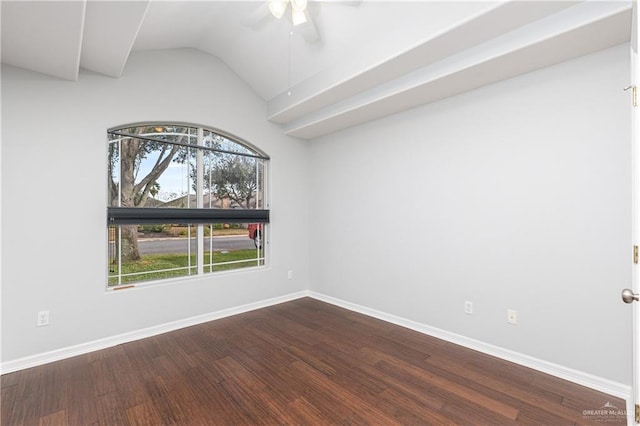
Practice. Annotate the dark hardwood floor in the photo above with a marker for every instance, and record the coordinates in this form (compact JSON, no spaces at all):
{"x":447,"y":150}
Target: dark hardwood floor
{"x":303,"y":362}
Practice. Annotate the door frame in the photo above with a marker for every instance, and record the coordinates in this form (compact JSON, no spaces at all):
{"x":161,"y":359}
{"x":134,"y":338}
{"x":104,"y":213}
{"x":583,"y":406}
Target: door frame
{"x":633,"y":408}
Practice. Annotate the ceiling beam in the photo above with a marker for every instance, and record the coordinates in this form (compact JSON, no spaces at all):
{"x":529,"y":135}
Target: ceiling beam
{"x":43,"y":36}
{"x":111,"y":28}
{"x":384,"y":63}
{"x":583,"y":29}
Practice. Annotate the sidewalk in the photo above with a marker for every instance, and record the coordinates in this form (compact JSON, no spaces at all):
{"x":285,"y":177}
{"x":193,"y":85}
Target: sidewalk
{"x":185,"y":238}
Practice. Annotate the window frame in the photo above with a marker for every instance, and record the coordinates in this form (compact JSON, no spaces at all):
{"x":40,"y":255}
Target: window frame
{"x":200,"y":216}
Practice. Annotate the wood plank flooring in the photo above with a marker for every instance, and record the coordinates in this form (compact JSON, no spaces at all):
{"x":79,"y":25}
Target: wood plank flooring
{"x":303,"y":362}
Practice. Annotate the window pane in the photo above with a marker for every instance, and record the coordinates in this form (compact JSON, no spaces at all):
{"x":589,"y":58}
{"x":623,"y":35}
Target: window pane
{"x":233,"y":181}
{"x":151,"y":252}
{"x":260,"y":177}
{"x":114,"y":174}
{"x":232,"y":246}
{"x":176,"y":185}
{"x":168,"y":133}
{"x":152,"y":174}
{"x":216,"y":141}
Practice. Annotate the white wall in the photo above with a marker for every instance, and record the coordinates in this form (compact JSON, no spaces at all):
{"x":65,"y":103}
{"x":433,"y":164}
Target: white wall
{"x":54,"y":198}
{"x":516,"y":195}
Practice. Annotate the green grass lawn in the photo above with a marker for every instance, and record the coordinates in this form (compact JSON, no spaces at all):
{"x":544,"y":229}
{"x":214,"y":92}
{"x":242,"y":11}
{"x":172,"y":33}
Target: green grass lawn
{"x":160,"y":262}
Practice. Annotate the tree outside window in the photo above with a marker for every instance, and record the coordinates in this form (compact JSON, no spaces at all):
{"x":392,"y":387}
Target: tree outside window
{"x":185,"y":192}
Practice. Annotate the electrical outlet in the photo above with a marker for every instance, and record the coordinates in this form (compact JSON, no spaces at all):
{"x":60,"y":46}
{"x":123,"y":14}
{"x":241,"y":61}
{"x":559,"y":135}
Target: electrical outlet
{"x":43,"y":318}
{"x":468,"y":307}
{"x":512,"y":316}
{"x":290,"y":275}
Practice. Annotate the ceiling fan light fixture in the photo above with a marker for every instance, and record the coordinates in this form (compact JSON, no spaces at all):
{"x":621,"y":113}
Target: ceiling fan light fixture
{"x":298,"y":17}
{"x":277,"y":7}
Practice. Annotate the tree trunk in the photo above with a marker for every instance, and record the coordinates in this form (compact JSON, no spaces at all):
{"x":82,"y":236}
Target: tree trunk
{"x":129,"y":242}
{"x":128,"y":156}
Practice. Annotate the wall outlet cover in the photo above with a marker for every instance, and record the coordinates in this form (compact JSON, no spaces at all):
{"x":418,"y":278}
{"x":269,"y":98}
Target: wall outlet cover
{"x":43,"y":318}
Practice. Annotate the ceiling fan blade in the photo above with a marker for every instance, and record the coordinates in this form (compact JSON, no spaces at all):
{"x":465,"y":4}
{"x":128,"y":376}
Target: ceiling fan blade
{"x":308,"y":30}
{"x":261,"y":15}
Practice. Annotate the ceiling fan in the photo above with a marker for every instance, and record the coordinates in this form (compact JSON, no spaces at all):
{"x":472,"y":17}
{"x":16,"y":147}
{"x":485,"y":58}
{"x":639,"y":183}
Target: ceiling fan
{"x":301,"y":15}
{"x":298,"y":10}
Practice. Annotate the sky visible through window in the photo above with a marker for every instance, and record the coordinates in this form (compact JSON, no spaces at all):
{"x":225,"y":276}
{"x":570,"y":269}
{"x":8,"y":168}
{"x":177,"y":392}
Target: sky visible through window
{"x":173,"y":183}
{"x":177,"y":180}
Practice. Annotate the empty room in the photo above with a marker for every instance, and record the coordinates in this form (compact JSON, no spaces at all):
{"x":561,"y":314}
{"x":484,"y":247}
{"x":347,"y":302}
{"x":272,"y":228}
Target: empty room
{"x":319,"y":212}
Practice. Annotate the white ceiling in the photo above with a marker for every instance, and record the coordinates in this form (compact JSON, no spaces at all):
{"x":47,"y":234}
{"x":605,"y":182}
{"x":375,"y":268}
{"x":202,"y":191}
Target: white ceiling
{"x":355,"y":61}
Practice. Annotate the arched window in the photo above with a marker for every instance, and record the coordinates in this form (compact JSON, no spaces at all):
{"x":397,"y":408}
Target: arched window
{"x":183,"y":200}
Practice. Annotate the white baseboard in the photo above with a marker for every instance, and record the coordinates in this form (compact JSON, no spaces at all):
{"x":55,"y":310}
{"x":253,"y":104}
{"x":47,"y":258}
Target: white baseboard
{"x":585,"y":379}
{"x":83,"y":348}
{"x":575,"y":376}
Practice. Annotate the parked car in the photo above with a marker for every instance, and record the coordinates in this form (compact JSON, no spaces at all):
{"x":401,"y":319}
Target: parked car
{"x":255,"y":233}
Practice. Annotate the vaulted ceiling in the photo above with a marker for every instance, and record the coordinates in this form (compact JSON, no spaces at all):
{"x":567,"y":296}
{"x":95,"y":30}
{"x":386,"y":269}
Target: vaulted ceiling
{"x":354,"y":61}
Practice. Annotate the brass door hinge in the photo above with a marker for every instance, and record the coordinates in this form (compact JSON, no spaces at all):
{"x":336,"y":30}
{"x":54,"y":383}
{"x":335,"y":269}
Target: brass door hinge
{"x":635,"y":254}
{"x":634,"y":94}
{"x":637,"y":413}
